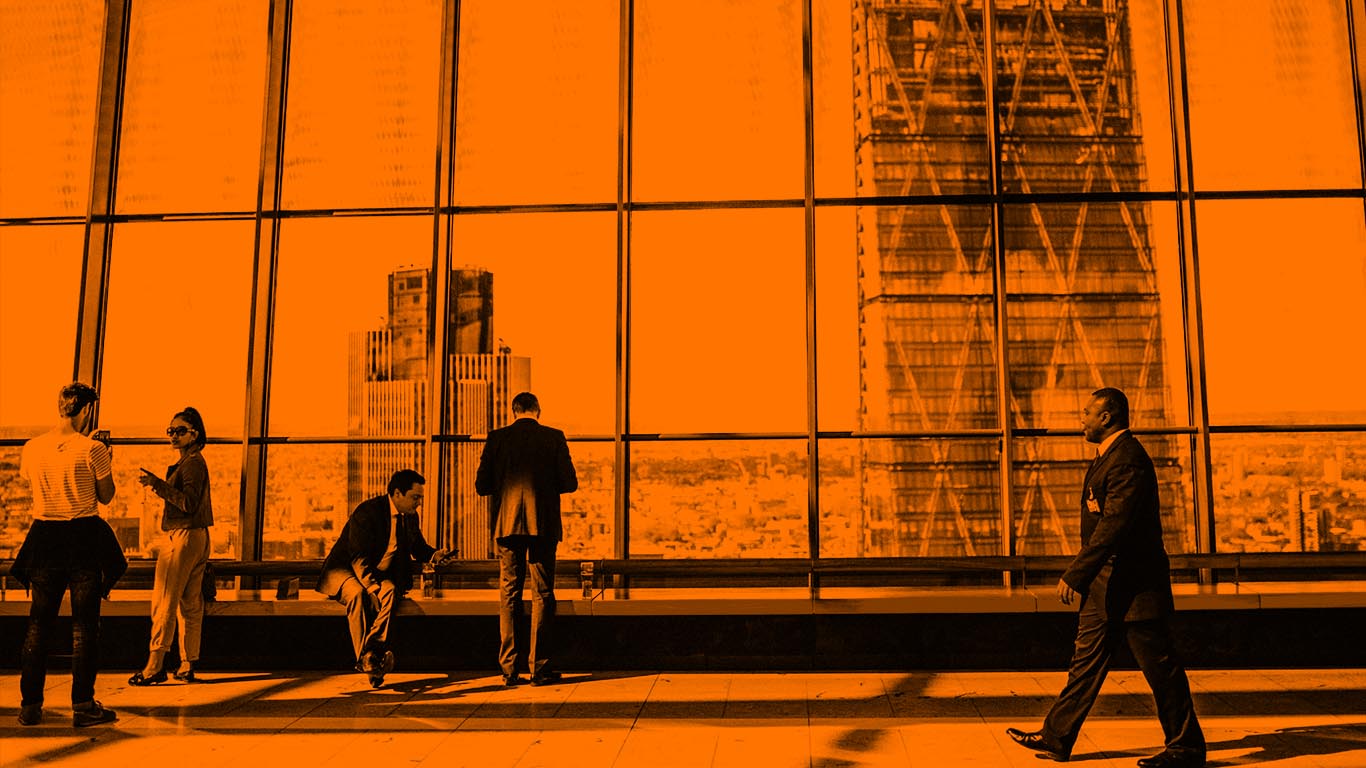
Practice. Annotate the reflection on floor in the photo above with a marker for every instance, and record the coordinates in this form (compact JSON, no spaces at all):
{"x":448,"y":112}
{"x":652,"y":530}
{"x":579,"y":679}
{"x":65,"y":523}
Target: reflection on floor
{"x":661,"y":719}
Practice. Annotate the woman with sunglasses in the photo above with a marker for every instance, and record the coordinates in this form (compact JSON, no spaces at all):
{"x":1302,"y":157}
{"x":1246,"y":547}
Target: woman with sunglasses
{"x":177,"y":593}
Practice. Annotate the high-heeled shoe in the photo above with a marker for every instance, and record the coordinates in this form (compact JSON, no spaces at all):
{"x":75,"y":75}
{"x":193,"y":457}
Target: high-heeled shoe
{"x":140,"y":679}
{"x":187,"y":676}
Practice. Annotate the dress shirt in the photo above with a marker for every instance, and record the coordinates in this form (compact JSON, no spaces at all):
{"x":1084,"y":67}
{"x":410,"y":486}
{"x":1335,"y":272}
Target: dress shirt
{"x":392,"y":549}
{"x":1107,"y":442}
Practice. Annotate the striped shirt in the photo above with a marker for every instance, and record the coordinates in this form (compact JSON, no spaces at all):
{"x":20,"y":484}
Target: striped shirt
{"x":62,"y":470}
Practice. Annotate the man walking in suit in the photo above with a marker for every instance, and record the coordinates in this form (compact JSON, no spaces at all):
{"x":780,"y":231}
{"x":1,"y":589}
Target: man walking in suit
{"x":1122,"y":577}
{"x":370,"y":568}
{"x":524,"y":468}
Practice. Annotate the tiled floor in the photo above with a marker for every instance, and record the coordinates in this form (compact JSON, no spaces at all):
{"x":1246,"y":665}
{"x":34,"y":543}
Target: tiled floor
{"x":661,"y":719}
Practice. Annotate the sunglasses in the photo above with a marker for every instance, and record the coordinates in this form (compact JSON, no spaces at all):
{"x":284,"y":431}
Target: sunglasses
{"x":176,"y":431}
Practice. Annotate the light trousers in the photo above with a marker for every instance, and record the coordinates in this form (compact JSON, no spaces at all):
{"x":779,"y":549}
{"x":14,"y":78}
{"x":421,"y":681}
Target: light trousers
{"x":177,"y":592}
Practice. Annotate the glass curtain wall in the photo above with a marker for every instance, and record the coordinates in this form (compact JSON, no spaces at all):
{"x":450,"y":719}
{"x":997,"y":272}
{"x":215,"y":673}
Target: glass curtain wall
{"x":806,"y":278}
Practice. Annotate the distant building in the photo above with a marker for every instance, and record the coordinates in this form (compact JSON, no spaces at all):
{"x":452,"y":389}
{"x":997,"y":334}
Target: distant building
{"x":1082,"y":298}
{"x":387,"y":397}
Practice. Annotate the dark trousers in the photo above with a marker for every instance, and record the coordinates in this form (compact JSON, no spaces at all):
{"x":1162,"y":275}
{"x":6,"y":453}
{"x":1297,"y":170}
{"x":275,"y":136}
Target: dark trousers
{"x":47,"y":587}
{"x":1150,"y":642}
{"x":367,"y":615}
{"x":518,"y":555}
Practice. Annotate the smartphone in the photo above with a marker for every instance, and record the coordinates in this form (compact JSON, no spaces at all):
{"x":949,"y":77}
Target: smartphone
{"x":101,"y":435}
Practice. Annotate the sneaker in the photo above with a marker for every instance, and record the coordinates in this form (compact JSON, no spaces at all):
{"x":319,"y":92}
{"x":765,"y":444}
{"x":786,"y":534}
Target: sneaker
{"x":545,"y":677}
{"x":93,"y":713}
{"x":31,"y":714}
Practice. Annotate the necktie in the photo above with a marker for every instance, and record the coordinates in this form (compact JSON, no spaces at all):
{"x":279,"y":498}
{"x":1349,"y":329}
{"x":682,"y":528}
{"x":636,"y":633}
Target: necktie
{"x":392,"y":549}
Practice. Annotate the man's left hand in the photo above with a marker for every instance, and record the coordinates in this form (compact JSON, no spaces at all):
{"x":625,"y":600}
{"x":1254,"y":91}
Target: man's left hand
{"x":442,"y":556}
{"x":1065,"y":592}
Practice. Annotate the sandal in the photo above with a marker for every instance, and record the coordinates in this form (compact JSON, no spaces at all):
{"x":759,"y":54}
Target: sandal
{"x":140,"y":680}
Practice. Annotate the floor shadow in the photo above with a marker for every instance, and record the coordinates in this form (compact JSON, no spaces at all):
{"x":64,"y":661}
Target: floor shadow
{"x":866,"y":740}
{"x":1275,"y":745}
{"x":1293,"y":742}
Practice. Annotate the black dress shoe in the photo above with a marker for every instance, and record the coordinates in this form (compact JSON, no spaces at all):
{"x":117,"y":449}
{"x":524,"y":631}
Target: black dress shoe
{"x":139,"y":679}
{"x":1036,"y":741}
{"x":512,"y":679}
{"x":1172,"y":760}
{"x":545,"y":677}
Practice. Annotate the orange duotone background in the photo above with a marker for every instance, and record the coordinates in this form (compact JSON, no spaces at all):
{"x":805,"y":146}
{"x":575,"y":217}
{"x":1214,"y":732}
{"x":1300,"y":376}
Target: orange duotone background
{"x":717,"y":293}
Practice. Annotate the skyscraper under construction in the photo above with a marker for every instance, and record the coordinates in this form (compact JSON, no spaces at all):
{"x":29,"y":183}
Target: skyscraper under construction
{"x":1082,"y":303}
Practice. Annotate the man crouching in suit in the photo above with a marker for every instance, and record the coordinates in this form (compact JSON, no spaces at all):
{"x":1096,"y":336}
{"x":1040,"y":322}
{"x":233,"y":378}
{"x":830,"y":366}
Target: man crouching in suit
{"x":524,"y":468}
{"x":1122,"y":577}
{"x":371,"y":567}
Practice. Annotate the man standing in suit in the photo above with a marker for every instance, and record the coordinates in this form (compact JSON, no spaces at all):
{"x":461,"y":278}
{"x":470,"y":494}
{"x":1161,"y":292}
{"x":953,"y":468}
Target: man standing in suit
{"x":524,"y":468}
{"x":1122,"y":577}
{"x":370,"y":568}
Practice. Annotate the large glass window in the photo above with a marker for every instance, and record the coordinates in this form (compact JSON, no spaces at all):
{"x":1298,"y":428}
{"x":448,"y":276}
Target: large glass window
{"x":312,"y":488}
{"x":719,"y":498}
{"x":910,"y":497}
{"x":671,"y":338}
{"x":533,"y":307}
{"x":587,"y":514}
{"x":540,"y":289}
{"x":1047,"y":477}
{"x":721,"y":120}
{"x":191,"y":137}
{"x":1289,"y":492}
{"x":924,"y":314}
{"x":718,"y":321}
{"x":1094,"y":301}
{"x":177,"y":326}
{"x":835,"y":94}
{"x":1271,"y":103}
{"x":361,"y":122}
{"x":176,"y":336}
{"x":1283,"y":284}
{"x":920,"y":108}
{"x":1081,"y":96}
{"x":40,"y":287}
{"x":49,"y":79}
{"x":536,"y":117}
{"x":349,"y":360}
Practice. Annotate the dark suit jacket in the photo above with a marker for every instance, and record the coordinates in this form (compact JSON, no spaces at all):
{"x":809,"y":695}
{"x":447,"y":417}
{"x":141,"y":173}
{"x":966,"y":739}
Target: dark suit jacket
{"x":524,"y":468}
{"x":361,"y":546}
{"x":1122,"y":564}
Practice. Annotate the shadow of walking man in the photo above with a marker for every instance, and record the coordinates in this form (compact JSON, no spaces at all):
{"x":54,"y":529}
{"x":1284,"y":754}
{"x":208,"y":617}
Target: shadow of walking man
{"x":1294,"y":742}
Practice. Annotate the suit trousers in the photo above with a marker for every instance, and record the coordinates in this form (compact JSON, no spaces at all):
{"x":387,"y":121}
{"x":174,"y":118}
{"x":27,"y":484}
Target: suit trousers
{"x":1150,"y":642}
{"x":367,"y":615}
{"x":518,"y":555}
{"x":178,"y":591}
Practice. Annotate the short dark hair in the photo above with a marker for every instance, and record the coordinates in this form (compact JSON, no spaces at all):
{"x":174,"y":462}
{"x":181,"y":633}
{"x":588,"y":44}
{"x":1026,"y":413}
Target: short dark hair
{"x":403,"y":481}
{"x":191,"y":416}
{"x":1114,"y":401}
{"x":75,"y":396}
{"x":525,"y":402}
